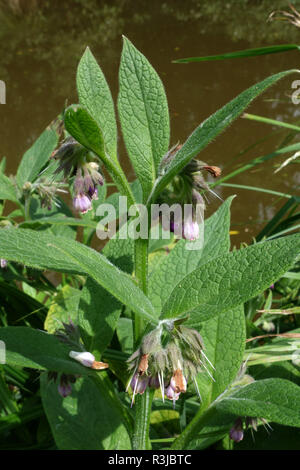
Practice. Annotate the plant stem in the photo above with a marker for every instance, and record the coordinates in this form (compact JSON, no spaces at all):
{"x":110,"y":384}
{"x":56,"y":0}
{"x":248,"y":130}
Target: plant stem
{"x":193,"y":428}
{"x":119,"y":178}
{"x":141,"y":274}
{"x":140,"y":440}
{"x":27,"y":207}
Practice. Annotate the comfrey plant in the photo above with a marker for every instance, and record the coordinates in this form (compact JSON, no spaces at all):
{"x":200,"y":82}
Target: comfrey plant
{"x":149,"y":330}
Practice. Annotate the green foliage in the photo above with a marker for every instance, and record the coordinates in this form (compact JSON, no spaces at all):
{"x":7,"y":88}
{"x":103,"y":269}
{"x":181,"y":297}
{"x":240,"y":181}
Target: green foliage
{"x":36,"y":157}
{"x":144,"y":294}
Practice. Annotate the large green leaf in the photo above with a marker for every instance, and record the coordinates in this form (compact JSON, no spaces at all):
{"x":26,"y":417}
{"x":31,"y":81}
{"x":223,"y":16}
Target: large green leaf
{"x":98,"y":315}
{"x":181,"y":261}
{"x":88,"y":419}
{"x":273,"y":399}
{"x":212,"y":127}
{"x":28,"y":347}
{"x":37,"y":156}
{"x":144,"y":115}
{"x":95,"y":96}
{"x":63,"y":307}
{"x":7,"y":189}
{"x":99,"y":311}
{"x":230,"y":280}
{"x":61,"y":254}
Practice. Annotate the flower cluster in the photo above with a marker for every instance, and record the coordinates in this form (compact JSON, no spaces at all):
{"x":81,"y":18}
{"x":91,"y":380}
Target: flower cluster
{"x":186,"y":188}
{"x":46,"y":190}
{"x":168,"y":357}
{"x":75,"y":160}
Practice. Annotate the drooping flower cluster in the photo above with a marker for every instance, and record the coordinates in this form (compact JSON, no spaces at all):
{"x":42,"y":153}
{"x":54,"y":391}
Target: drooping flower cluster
{"x":46,"y":190}
{"x":74,"y":159}
{"x":186,"y":188}
{"x":168,"y":357}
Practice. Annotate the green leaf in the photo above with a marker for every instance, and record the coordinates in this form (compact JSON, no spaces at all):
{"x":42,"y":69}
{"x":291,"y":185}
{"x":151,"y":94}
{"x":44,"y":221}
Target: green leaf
{"x":28,"y":347}
{"x":88,"y":419}
{"x":212,"y":127}
{"x":7,"y":189}
{"x":63,"y":307}
{"x":230,"y":280}
{"x":125,"y":334}
{"x":99,"y":311}
{"x":36,"y":157}
{"x":224,"y":338}
{"x":239,"y":54}
{"x":273,"y":399}
{"x":59,"y":221}
{"x":95,"y":96}
{"x":273,"y":122}
{"x":61,"y":254}
{"x":144,"y":115}
{"x":80,"y":124}
{"x":181,"y":261}
{"x":98,"y":315}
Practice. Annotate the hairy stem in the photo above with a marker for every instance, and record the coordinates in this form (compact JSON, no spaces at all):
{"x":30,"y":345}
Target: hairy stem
{"x":140,"y":440}
{"x":194,"y":427}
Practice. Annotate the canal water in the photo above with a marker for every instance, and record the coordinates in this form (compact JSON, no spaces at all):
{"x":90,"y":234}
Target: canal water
{"x":42,"y":41}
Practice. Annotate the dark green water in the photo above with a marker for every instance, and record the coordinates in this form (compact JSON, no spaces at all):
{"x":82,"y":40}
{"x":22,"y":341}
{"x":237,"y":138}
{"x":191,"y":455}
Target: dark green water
{"x":41,"y":43}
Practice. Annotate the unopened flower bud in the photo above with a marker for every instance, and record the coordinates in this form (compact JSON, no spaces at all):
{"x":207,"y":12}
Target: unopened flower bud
{"x":213,"y":170}
{"x":27,"y":187}
{"x":85,"y":358}
{"x":236,"y":434}
{"x":178,"y":381}
{"x":143,"y":364}
{"x":3,"y":263}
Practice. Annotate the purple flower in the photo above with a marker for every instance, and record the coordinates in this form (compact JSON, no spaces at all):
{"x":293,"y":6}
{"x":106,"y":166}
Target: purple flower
{"x":171,"y":394}
{"x":154,"y":381}
{"x":64,"y":388}
{"x":82,"y":203}
{"x":190,"y":230}
{"x":93,"y":193}
{"x":139,"y":384}
{"x":236,"y":433}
